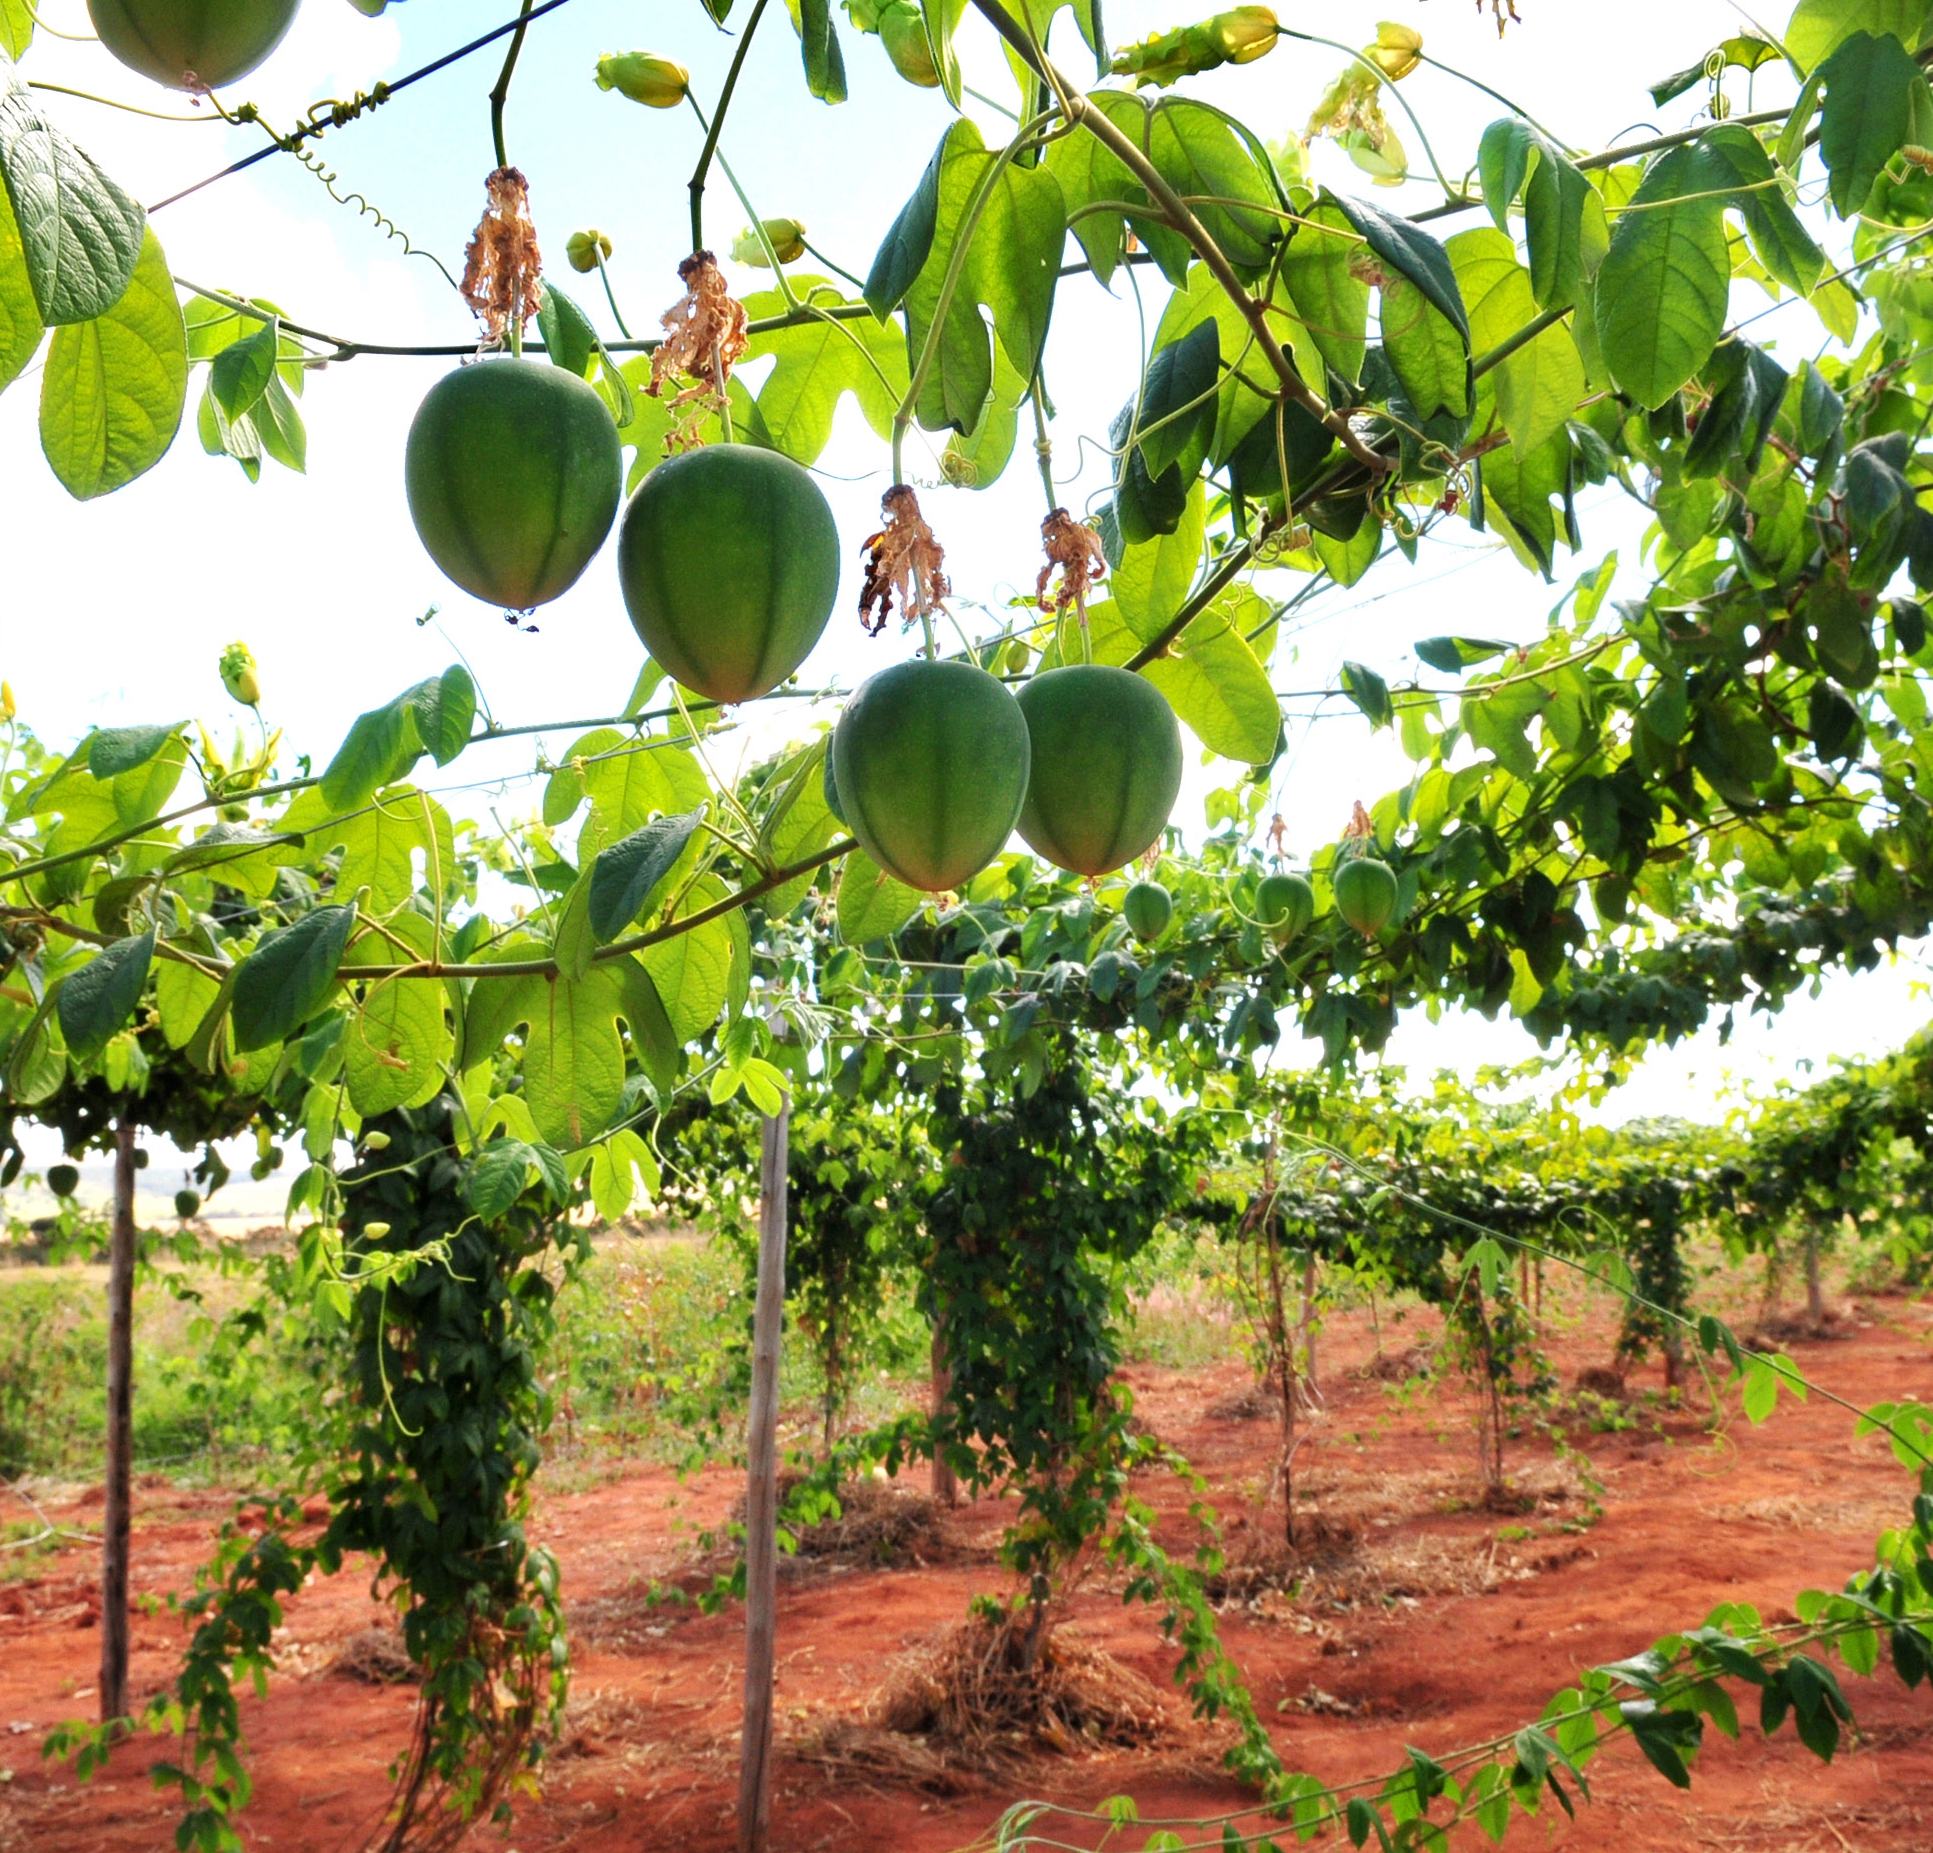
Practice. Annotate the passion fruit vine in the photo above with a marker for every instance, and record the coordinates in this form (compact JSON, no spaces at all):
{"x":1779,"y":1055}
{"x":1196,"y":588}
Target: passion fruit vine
{"x":929,"y":764}
{"x":192,"y":44}
{"x":729,"y":562}
{"x":514,"y":474}
{"x":1106,"y":766}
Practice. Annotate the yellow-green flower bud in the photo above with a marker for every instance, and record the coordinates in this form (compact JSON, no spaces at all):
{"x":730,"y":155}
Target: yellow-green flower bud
{"x":7,"y":707}
{"x":1398,"y":49}
{"x":1245,"y":33}
{"x":902,"y":30}
{"x":586,"y":248}
{"x":787,"y":238}
{"x":644,"y":77}
{"x":238,"y":675}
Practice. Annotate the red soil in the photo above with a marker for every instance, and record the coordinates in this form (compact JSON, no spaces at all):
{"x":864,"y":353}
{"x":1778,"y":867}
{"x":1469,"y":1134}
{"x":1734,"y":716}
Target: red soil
{"x":1689,"y":1521}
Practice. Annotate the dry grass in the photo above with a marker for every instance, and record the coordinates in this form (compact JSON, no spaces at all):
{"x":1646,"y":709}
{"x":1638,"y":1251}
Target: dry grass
{"x":1398,"y":1366}
{"x":376,"y":1657}
{"x":969,"y":1705}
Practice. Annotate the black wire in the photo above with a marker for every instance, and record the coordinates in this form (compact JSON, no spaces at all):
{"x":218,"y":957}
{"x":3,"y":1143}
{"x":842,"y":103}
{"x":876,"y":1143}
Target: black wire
{"x":402,"y":83}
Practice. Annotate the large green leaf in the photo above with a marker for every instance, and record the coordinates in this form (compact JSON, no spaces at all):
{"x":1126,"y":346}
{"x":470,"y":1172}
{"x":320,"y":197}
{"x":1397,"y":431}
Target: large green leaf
{"x":1819,"y":27}
{"x":692,"y":971}
{"x":1663,"y":287}
{"x":20,"y":323}
{"x":81,"y":234}
{"x":1198,"y":152}
{"x":1332,"y":301}
{"x":819,"y":362}
{"x":288,"y":977}
{"x":825,"y":64}
{"x":16,"y":26}
{"x":396,"y":1046}
{"x":976,"y":458}
{"x":113,"y":389}
{"x":1518,"y":490}
{"x":1409,"y":252}
{"x":1736,"y":157}
{"x":1240,"y":404}
{"x":99,"y":1000}
{"x":872,"y":905}
{"x":1430,"y":354}
{"x":1090,"y":173}
{"x":1154,"y":577}
{"x":1876,"y":101}
{"x":624,"y":876}
{"x":1564,"y":224}
{"x":573,"y":1061}
{"x":1539,"y":385}
{"x":902,"y":253}
{"x":383,"y":844}
{"x":1011,"y":266}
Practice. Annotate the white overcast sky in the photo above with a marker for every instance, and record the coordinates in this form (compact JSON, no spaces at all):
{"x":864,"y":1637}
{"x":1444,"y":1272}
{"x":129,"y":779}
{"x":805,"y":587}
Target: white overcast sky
{"x":116,"y":611}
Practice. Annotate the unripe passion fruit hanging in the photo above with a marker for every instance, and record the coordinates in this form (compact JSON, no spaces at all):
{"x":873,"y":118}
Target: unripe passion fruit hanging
{"x":930,"y":764}
{"x":729,"y":562}
{"x":1284,"y":904}
{"x":514,"y":475}
{"x":63,"y":1180}
{"x":192,"y":44}
{"x":1147,"y":908}
{"x":1366,"y":894}
{"x":1106,"y":766}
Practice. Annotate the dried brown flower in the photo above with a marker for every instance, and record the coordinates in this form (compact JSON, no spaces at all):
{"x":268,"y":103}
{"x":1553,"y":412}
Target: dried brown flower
{"x":903,"y":560}
{"x":704,"y":338}
{"x":1359,"y":825}
{"x":502,"y":265}
{"x":1074,"y":550}
{"x":1505,"y":12}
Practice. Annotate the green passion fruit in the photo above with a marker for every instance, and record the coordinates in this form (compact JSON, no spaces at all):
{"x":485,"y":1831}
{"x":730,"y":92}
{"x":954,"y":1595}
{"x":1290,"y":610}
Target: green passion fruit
{"x":187,"y":1203}
{"x":513,"y":475}
{"x":1366,"y":894}
{"x":729,"y":562}
{"x":1147,"y":908}
{"x":192,"y":44}
{"x":929,"y":761}
{"x":1106,"y":766}
{"x":1284,"y":904}
{"x":63,"y":1180}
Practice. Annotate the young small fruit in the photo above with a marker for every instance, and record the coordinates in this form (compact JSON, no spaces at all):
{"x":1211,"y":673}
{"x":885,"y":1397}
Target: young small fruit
{"x":1147,"y":908}
{"x":514,"y":473}
{"x":728,"y":559}
{"x":1366,"y":894}
{"x":238,"y":675}
{"x":194,"y":45}
{"x":63,"y":1180}
{"x":1284,"y":904}
{"x":187,"y":1203}
{"x":930,"y":767}
{"x":586,"y":249}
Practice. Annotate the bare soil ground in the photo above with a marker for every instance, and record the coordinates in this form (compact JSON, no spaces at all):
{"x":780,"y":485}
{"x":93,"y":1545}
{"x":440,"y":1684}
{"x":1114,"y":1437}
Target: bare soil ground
{"x":1421,"y":1619}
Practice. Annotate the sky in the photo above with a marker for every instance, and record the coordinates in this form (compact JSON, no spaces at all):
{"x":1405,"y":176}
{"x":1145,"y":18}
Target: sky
{"x":116,"y":611}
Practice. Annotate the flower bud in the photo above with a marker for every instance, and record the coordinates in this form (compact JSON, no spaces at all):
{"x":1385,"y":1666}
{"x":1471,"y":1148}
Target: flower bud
{"x":1398,"y":49}
{"x":375,"y":1230}
{"x":787,"y":238}
{"x":585,"y":249}
{"x":902,"y":30}
{"x":1245,"y":33}
{"x":375,"y":1141}
{"x":7,"y":707}
{"x":238,"y":675}
{"x":644,"y":77}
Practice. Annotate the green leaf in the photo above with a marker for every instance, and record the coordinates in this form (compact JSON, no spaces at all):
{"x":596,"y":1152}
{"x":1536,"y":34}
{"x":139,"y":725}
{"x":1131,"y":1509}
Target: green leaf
{"x":224,"y":843}
{"x":1538,"y":386}
{"x":1413,"y":255}
{"x":239,"y":375}
{"x":1154,"y":576}
{"x":1331,"y":301}
{"x":819,"y":362}
{"x":1430,"y":353}
{"x":942,"y":19}
{"x":1736,"y":157}
{"x":1876,"y":100}
{"x":443,"y":708}
{"x":82,"y":236}
{"x":182,"y":994}
{"x":871,"y":904}
{"x":569,"y":338}
{"x":1664,"y":285}
{"x":280,"y":428}
{"x":16,"y":26}
{"x":1239,"y":407}
{"x":288,"y":977}
{"x":1178,"y":399}
{"x":1819,"y":27}
{"x":623,"y":876}
{"x":1369,"y":692}
{"x":101,"y":998}
{"x":1089,"y":173}
{"x":20,"y":324}
{"x":825,"y":64}
{"x":114,"y":387}
{"x":114,"y":750}
{"x":903,"y":253}
{"x":380,"y":842}
{"x":1197,"y":151}
{"x":380,"y":747}
{"x":396,"y":1046}
{"x":499,"y":1177}
{"x":958,"y":382}
{"x":693,"y":971}
{"x":976,"y":459}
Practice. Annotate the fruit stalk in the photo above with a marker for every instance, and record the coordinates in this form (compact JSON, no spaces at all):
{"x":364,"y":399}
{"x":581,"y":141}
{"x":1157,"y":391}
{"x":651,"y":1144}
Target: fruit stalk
{"x":500,"y":90}
{"x":717,"y":124}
